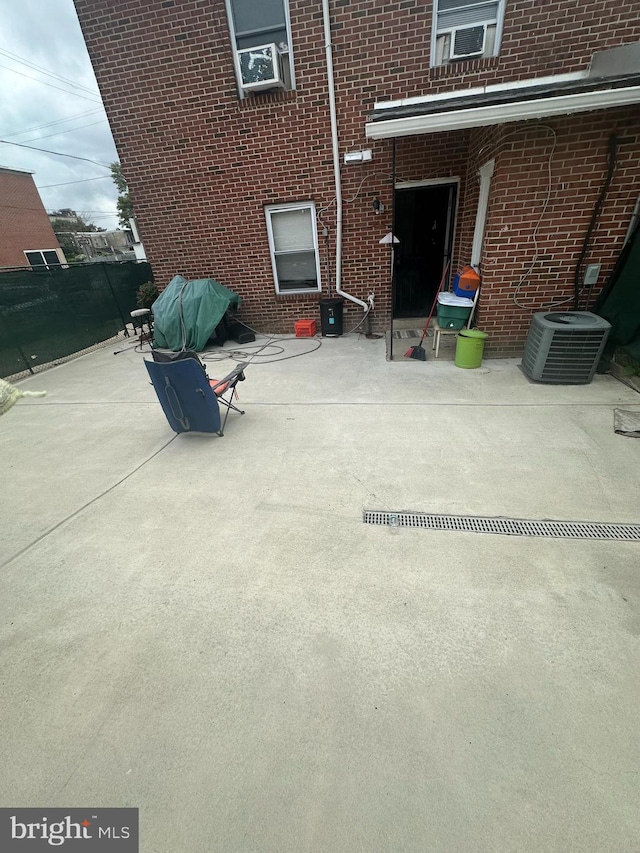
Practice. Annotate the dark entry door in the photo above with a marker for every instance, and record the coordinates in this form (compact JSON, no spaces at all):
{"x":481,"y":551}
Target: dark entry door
{"x":424,"y":218}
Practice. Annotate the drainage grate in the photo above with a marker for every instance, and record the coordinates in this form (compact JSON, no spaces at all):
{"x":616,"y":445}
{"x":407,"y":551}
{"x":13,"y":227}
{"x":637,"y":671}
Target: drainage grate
{"x":506,"y":526}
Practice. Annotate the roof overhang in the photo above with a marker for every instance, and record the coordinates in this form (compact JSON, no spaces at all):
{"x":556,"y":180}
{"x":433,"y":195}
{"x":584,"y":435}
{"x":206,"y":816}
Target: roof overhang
{"x":15,"y":171}
{"x":460,"y":110}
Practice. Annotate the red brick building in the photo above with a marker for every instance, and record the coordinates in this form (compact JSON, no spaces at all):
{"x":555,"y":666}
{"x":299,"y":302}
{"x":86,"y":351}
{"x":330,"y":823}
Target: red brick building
{"x":499,"y":132}
{"x":26,"y":235}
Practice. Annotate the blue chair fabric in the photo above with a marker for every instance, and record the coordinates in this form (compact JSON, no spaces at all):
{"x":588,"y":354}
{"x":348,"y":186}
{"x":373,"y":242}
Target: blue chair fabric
{"x":189,"y":403}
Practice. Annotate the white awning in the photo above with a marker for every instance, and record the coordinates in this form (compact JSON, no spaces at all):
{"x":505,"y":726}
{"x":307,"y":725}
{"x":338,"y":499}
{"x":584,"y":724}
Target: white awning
{"x":461,"y":117}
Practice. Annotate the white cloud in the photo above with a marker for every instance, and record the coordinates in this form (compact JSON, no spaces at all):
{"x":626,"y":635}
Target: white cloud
{"x":49,"y":35}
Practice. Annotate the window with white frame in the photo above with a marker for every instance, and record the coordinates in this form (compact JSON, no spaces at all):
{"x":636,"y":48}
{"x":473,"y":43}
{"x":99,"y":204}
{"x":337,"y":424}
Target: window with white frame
{"x":466,"y":29}
{"x":43,"y":258}
{"x":261,"y":38}
{"x":293,"y":241}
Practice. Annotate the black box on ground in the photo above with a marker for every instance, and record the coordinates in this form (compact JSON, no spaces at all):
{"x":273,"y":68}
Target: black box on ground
{"x":240,"y":333}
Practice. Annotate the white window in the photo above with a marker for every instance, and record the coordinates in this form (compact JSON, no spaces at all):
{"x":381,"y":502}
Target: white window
{"x":261,"y":38}
{"x":293,"y":241}
{"x":466,"y":29}
{"x":43,"y":258}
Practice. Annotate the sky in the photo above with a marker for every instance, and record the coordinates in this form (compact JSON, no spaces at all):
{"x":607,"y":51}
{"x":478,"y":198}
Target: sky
{"x":61,"y":93}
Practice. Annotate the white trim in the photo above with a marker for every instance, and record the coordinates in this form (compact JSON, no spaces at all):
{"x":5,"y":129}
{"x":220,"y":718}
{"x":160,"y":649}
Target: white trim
{"x":502,"y":113}
{"x":452,"y":224}
{"x":497,"y":38}
{"x":46,"y":264}
{"x":550,"y":80}
{"x":133,"y":225}
{"x":281,"y":208}
{"x":42,"y":251}
{"x":287,"y":20}
{"x":428,"y":182}
{"x":16,"y":171}
{"x":486,"y":173}
{"x":234,"y":48}
{"x":434,"y":35}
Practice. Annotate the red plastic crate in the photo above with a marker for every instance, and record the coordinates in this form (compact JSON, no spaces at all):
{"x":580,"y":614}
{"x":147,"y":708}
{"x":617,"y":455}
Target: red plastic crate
{"x":305,"y":328}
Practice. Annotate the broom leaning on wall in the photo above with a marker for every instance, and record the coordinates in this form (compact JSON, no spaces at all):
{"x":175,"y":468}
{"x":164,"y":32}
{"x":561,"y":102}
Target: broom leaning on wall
{"x":418,"y":352}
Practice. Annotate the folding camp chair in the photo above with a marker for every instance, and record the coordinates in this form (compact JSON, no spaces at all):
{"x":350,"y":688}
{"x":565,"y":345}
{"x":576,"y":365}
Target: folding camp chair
{"x":189,"y":398}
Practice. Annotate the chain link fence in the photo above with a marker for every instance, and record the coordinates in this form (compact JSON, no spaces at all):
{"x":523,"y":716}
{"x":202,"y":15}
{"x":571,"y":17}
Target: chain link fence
{"x":46,"y":315}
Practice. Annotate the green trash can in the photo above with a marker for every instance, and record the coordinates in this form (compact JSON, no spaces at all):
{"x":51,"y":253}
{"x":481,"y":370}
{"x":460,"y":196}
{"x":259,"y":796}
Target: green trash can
{"x":469,"y":348}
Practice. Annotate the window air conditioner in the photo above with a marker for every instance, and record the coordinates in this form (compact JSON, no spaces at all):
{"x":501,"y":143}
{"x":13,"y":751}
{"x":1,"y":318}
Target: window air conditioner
{"x":564,"y":348}
{"x":260,"y":67}
{"x":468,"y":41}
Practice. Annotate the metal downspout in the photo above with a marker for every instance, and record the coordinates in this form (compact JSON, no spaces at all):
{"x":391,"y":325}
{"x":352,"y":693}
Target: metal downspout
{"x":393,"y":248}
{"x":336,"y":158}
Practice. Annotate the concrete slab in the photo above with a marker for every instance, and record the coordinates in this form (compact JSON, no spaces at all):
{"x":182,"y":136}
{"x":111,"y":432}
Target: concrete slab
{"x":205,"y":629}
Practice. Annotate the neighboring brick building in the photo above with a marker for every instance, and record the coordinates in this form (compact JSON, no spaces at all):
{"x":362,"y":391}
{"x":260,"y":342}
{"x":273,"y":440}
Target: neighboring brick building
{"x":26,"y":235}
{"x":516,"y":146}
{"x":101,"y":245}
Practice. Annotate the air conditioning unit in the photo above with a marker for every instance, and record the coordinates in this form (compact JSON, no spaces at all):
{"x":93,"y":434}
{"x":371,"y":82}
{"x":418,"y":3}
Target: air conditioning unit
{"x":564,"y":348}
{"x":468,"y":41}
{"x":260,"y":67}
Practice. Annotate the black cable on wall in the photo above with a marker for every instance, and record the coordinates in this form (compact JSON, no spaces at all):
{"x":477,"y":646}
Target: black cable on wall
{"x":595,"y":216}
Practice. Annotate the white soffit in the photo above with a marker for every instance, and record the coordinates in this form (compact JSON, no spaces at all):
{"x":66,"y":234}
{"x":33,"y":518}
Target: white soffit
{"x":460,"y":119}
{"x":488,"y":89}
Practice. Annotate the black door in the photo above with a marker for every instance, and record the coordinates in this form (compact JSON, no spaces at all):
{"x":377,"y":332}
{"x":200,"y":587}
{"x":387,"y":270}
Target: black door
{"x":424,"y":219}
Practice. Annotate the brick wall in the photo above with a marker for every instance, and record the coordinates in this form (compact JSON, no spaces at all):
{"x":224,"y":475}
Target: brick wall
{"x":202,"y":164}
{"x":24,"y":223}
{"x":382,"y":50}
{"x":520,"y":277}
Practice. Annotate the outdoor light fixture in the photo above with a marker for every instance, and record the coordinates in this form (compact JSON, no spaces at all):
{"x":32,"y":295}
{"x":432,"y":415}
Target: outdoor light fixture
{"x":378,"y":207}
{"x":358,"y":156}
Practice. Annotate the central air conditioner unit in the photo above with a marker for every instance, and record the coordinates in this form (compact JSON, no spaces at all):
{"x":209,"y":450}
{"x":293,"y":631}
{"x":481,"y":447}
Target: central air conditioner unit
{"x":565,"y":347}
{"x":261,"y":67}
{"x":468,"y":41}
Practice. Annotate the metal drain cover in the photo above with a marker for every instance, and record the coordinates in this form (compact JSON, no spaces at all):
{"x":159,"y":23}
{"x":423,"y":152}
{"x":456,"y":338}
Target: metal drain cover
{"x":506,"y":526}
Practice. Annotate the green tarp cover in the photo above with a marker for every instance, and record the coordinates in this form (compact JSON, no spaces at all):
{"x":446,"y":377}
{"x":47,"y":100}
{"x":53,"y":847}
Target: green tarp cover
{"x":198,"y":304}
{"x":619,"y":302}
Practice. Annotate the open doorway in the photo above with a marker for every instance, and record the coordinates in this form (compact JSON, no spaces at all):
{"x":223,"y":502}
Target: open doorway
{"x":424,"y":226}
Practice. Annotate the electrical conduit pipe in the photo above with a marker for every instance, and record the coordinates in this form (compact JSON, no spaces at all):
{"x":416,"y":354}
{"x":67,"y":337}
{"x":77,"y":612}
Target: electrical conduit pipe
{"x":336,"y":160}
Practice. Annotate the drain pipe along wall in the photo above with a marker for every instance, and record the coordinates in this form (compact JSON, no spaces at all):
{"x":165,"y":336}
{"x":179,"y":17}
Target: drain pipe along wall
{"x":336,"y":160}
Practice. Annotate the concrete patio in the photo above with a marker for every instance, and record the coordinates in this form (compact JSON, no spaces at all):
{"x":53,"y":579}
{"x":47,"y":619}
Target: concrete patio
{"x":205,"y":629}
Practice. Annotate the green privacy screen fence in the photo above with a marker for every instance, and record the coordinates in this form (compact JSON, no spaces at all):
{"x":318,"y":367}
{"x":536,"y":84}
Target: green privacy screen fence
{"x":49,"y":314}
